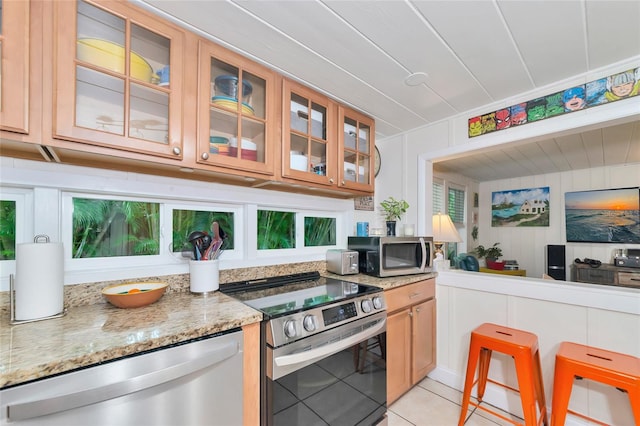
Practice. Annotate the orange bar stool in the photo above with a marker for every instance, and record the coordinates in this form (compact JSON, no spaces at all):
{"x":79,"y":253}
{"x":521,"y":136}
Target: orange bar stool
{"x":611,"y":368}
{"x":523,"y":347}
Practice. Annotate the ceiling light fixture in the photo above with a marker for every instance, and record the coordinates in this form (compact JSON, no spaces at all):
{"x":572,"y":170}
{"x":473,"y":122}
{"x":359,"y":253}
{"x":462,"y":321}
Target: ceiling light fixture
{"x":416,"y":79}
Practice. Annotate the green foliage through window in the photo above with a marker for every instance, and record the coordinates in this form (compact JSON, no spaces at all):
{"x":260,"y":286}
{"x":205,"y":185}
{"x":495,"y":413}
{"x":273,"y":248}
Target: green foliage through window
{"x":276,"y":230}
{"x":107,"y":228}
{"x":7,"y":230}
{"x":187,"y":221}
{"x":319,"y":231}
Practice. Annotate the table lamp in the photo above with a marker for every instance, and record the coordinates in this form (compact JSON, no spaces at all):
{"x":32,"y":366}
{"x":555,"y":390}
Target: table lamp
{"x":443,"y":232}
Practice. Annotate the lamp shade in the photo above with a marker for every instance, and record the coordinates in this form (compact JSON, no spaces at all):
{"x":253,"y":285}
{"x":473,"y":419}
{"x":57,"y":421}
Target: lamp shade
{"x":443,"y":229}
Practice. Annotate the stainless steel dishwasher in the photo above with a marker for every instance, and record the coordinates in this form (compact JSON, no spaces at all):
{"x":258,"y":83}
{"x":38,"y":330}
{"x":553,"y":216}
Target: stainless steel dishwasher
{"x":195,"y":383}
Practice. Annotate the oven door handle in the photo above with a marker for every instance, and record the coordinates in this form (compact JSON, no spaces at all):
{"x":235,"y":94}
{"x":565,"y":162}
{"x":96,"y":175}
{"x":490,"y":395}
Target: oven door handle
{"x":323,"y":351}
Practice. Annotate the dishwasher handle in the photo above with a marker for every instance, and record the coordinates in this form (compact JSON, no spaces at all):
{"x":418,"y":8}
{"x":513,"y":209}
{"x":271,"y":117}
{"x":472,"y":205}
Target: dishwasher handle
{"x":55,"y":404}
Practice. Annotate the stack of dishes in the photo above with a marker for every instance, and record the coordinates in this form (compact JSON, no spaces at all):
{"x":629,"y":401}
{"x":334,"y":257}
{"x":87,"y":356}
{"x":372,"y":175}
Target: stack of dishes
{"x":248,"y":150}
{"x":231,"y":103}
{"x":218,"y":145}
{"x":298,"y":161}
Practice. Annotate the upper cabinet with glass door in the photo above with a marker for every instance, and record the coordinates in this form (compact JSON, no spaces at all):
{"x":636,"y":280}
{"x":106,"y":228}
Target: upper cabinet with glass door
{"x":14,"y":67}
{"x":236,"y":116}
{"x":356,"y":155}
{"x":118,"y":78}
{"x":309,"y":138}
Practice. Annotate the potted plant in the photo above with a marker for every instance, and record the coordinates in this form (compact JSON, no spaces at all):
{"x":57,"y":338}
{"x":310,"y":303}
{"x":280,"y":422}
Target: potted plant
{"x":393,"y":210}
{"x":490,"y":254}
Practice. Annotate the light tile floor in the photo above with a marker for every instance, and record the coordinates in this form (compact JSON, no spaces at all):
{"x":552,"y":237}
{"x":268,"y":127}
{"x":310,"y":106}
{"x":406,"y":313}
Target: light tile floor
{"x":431,"y":403}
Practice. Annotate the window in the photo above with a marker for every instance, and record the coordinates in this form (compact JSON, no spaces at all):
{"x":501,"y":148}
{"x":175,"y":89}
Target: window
{"x":455,"y":205}
{"x":187,"y":221}
{"x":107,"y":228}
{"x":7,"y":230}
{"x":117,"y":226}
{"x":319,"y":231}
{"x":438,"y":196}
{"x":276,"y":230}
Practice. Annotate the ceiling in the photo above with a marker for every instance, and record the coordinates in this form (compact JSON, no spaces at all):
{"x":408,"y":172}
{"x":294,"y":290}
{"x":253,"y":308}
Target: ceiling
{"x":473,"y":53}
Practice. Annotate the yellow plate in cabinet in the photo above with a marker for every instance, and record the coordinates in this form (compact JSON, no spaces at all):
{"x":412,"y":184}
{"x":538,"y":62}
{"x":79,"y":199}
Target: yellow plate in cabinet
{"x":246,"y":109}
{"x":110,"y":55}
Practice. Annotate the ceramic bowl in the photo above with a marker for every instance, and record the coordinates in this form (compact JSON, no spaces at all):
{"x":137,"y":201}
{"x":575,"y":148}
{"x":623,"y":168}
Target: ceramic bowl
{"x":111,"y":56}
{"x":134,"y":295}
{"x":299,"y":162}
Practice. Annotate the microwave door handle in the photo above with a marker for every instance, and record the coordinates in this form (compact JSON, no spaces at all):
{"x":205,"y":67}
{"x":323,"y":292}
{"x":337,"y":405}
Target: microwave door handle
{"x":424,"y":254}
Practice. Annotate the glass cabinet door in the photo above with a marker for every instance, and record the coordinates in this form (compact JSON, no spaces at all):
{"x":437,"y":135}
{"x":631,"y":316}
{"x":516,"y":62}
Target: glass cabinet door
{"x":309,"y":138}
{"x":357,"y":146}
{"x":234,"y":112}
{"x":121,"y":88}
{"x":14,"y":65}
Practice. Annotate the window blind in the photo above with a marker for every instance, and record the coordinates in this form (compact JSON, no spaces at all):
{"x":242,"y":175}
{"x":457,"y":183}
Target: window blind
{"x":438,"y":197}
{"x":455,"y":205}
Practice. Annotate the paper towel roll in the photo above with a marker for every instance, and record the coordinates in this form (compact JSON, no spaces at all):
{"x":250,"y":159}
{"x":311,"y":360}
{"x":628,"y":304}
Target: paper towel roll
{"x":39,"y":281}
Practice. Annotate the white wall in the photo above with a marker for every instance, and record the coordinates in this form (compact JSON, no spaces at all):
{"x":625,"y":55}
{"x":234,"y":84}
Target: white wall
{"x":412,"y":178}
{"x":527,"y":244}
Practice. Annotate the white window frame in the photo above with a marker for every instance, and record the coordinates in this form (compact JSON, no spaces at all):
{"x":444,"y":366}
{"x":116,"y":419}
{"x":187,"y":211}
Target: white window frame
{"x":114,"y":262}
{"x":23,"y":197}
{"x":54,"y":185}
{"x":300,"y":248}
{"x":238,"y":221}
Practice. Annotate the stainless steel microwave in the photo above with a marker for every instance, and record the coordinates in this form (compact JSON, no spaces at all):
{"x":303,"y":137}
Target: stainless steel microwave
{"x":393,"y":256}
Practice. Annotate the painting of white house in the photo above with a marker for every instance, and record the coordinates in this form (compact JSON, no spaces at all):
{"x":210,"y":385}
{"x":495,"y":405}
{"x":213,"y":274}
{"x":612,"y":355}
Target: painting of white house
{"x":520,"y":207}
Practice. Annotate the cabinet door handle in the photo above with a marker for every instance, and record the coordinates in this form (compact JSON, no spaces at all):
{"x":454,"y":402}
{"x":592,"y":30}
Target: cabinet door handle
{"x":418,"y":309}
{"x":414,"y":295}
{"x":177,"y":150}
{"x":331,"y":180}
{"x":410,"y":313}
{"x":205,"y":156}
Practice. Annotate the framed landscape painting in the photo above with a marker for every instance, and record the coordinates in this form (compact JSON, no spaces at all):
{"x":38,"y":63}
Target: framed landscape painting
{"x":603,"y":216}
{"x":521,"y":207}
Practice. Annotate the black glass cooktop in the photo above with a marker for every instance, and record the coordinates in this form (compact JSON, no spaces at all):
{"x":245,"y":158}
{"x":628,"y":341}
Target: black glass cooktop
{"x":277,"y":296}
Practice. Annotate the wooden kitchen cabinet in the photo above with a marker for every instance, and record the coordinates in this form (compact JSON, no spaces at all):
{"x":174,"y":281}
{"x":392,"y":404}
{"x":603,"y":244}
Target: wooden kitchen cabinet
{"x":14,"y":68}
{"x":237,"y":117}
{"x":108,"y":84}
{"x":309,"y":136}
{"x":118,"y":79}
{"x":411,"y":336}
{"x":356,"y":144}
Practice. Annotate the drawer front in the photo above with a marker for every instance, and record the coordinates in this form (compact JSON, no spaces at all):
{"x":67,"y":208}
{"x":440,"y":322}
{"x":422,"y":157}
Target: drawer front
{"x":410,"y":294}
{"x":629,"y":278}
{"x":596,"y":276}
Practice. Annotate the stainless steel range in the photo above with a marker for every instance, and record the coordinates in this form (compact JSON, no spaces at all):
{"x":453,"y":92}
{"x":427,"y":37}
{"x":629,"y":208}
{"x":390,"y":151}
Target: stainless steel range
{"x":323,"y":349}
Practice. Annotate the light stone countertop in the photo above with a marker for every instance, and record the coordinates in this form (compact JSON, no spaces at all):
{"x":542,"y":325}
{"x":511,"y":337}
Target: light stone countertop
{"x":96,"y":333}
{"x":92,"y":332}
{"x":384,"y":283}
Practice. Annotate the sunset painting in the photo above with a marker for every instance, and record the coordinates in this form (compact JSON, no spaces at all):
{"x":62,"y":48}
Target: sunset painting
{"x":603,"y":216}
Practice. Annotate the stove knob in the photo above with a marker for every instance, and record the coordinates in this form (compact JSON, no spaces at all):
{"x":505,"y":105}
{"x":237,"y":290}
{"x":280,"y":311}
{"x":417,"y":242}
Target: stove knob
{"x":366,"y":306}
{"x":290,"y":328}
{"x":377,"y":302}
{"x":309,"y":323}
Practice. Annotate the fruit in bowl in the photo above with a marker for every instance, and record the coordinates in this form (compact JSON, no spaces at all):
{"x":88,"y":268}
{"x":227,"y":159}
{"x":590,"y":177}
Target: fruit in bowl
{"x":134,"y":295}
